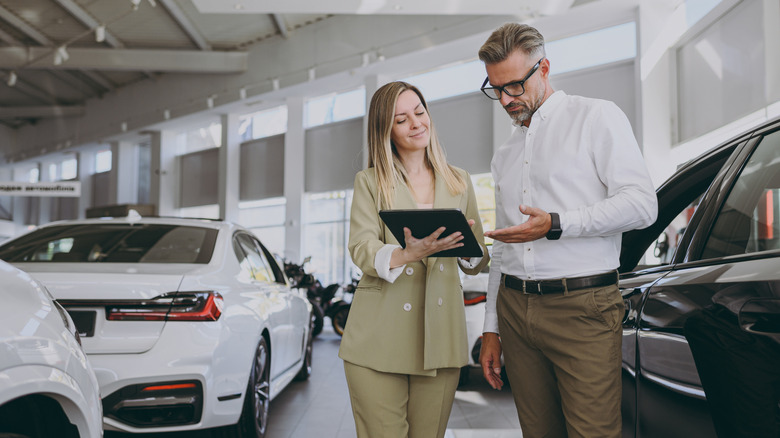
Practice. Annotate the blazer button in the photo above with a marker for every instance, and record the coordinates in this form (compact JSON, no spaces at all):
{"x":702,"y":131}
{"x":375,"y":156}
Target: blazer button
{"x":409,"y":271}
{"x":440,"y":301}
{"x":407,"y":307}
{"x":441,"y":267}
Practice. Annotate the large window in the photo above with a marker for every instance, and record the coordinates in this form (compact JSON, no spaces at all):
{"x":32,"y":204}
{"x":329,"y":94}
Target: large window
{"x":449,"y":81}
{"x":590,"y":49}
{"x":721,"y":72}
{"x":205,"y":136}
{"x":265,"y":218}
{"x":262,"y":124}
{"x":102,"y":161}
{"x":325,"y":235}
{"x":335,"y":108}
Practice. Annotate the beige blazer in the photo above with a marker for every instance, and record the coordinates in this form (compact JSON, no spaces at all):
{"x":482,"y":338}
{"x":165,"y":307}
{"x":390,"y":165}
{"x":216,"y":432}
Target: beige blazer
{"x":417,"y":323}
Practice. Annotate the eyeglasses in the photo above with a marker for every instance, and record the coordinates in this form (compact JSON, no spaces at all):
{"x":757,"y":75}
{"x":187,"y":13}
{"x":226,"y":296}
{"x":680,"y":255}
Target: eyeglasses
{"x":513,"y":89}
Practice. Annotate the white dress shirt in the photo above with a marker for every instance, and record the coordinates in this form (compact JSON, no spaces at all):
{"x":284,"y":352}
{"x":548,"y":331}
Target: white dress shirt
{"x":578,"y":158}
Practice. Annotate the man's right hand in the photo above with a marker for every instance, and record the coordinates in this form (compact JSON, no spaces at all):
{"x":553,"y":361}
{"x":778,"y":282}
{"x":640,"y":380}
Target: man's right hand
{"x":490,"y":359}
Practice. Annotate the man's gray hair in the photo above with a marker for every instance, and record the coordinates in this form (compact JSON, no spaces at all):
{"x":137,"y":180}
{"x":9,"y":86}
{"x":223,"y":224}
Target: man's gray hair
{"x":507,"y":39}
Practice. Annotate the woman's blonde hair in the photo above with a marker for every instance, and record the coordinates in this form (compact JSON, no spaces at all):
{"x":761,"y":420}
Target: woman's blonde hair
{"x":382,"y":153}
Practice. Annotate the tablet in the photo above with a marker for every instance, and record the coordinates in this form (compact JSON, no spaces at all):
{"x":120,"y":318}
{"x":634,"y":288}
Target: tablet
{"x":423,"y":222}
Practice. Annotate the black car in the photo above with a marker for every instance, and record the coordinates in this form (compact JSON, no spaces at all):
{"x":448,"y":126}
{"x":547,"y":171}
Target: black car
{"x":701,"y":335}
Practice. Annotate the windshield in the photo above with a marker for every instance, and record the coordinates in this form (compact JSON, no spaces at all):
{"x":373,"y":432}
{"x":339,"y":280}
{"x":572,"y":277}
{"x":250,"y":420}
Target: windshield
{"x":113,"y":243}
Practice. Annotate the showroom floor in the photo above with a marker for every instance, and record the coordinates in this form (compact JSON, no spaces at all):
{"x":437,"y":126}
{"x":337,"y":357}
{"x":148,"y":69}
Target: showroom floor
{"x":319,"y":408}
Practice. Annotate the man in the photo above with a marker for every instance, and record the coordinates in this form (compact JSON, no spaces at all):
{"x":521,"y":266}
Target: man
{"x":569,"y":181}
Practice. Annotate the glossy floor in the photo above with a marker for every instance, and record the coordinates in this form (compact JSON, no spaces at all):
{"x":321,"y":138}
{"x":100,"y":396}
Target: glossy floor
{"x":319,"y":408}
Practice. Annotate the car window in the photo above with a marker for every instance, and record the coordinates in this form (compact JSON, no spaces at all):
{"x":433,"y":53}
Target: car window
{"x":113,"y":243}
{"x":270,"y":261}
{"x":749,"y":220}
{"x":254,"y":258}
{"x":678,"y":199}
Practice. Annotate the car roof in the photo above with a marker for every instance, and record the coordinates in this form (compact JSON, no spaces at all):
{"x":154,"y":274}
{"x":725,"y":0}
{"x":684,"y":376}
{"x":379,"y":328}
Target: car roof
{"x":203,"y":223}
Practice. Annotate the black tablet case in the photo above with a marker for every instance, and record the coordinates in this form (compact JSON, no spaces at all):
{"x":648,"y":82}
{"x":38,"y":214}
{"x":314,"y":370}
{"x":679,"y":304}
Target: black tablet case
{"x":423,"y":222}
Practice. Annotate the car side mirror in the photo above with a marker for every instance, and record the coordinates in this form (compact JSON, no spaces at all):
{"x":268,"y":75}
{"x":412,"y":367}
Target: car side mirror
{"x":761,"y":316}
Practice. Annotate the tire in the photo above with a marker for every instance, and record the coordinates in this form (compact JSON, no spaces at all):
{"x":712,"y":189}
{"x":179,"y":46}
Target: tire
{"x":318,"y":317}
{"x":305,"y":371}
{"x":339,"y":319}
{"x":253,"y":422}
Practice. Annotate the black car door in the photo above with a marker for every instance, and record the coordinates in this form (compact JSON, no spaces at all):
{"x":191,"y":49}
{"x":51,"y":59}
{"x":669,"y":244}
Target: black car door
{"x":707,"y":347}
{"x":678,"y":198}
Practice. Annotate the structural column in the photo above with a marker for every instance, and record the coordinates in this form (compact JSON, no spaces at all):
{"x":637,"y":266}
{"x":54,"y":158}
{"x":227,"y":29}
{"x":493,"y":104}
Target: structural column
{"x":229,"y":174}
{"x":124,"y":173}
{"x":164,"y":186}
{"x":86,"y":165}
{"x":294,"y":179}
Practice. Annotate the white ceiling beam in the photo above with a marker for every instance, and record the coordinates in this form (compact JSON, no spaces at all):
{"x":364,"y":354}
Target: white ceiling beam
{"x":39,"y":112}
{"x":24,"y":87}
{"x":375,"y":7}
{"x":181,"y":19}
{"x":281,"y":26}
{"x":100,"y":80}
{"x":87,"y":20}
{"x":8,"y":39}
{"x":125,"y":60}
{"x":28,"y":30}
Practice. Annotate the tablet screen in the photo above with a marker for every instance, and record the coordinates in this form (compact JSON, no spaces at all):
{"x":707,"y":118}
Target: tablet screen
{"x":423,"y":222}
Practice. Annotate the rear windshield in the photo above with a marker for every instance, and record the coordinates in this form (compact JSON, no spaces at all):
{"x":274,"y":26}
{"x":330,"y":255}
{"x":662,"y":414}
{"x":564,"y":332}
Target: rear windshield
{"x":113,"y":243}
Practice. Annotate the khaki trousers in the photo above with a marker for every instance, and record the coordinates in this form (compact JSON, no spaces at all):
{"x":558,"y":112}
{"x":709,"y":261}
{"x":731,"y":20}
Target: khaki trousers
{"x":387,"y":405}
{"x":562,"y":354}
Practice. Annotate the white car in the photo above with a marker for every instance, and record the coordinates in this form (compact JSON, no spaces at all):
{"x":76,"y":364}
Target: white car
{"x":189,"y":324}
{"x":47,"y":387}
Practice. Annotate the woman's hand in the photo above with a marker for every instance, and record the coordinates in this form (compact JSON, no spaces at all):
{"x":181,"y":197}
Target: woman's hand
{"x":418,"y":249}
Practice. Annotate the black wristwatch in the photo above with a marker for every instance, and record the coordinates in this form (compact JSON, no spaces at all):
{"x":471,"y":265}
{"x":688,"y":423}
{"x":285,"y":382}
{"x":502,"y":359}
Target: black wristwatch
{"x":555,"y":227}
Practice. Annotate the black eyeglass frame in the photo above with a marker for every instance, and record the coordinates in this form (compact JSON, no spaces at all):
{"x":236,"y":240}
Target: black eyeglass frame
{"x":490,"y":92}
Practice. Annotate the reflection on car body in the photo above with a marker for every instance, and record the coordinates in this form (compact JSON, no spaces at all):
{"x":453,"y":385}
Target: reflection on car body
{"x":47,"y":386}
{"x":189,"y":324}
{"x":701,"y":332}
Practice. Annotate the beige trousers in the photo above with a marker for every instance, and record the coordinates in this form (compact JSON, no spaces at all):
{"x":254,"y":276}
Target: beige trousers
{"x":387,"y":405}
{"x":562,"y":354}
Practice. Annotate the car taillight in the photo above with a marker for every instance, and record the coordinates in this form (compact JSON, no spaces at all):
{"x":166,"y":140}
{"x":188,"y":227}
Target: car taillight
{"x":174,"y":306}
{"x":471,"y":298}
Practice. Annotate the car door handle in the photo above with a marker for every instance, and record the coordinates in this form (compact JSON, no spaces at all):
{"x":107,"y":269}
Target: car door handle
{"x":761,"y":316}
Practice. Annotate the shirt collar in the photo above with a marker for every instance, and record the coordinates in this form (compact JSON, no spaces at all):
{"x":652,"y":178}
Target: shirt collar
{"x":549,"y":105}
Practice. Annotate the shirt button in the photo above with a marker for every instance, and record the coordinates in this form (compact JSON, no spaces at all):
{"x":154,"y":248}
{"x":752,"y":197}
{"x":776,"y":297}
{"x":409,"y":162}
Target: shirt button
{"x":409,"y":271}
{"x":441,"y":267}
{"x":407,"y":307}
{"x":440,"y":301}
{"x":529,"y":249}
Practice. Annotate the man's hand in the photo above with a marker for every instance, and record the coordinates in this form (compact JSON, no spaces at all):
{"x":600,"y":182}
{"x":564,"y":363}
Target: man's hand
{"x":536,"y":227}
{"x":490,"y":359}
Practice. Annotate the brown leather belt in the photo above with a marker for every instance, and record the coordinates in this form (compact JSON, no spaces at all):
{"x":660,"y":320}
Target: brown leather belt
{"x":559,"y":285}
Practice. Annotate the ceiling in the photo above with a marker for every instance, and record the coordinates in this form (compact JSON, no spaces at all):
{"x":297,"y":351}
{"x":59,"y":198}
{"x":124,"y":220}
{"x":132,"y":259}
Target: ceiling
{"x":57,"y":54}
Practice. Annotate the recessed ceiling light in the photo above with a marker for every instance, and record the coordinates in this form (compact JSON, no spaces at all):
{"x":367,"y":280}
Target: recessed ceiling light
{"x":238,"y":6}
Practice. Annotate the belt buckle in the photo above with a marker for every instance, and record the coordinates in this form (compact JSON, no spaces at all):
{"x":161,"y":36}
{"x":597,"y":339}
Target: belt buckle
{"x":538,"y":288}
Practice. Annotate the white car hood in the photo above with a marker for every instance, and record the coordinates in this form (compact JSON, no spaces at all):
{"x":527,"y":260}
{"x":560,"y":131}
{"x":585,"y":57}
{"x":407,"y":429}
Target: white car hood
{"x":74,"y":282}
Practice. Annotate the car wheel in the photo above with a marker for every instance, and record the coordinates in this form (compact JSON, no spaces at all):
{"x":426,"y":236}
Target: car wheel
{"x":318,"y":318}
{"x":253,"y":422}
{"x":305,"y":371}
{"x":339,"y":320}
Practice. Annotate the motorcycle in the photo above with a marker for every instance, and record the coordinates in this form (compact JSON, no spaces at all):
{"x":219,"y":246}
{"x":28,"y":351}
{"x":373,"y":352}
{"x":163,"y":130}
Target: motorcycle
{"x":339,"y":315}
{"x":323,"y":299}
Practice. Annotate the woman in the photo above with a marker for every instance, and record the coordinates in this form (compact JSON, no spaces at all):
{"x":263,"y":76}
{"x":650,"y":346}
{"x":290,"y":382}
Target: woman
{"x":405,"y":341}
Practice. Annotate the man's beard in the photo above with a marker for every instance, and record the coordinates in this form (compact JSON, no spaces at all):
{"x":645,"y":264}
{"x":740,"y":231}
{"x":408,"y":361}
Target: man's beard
{"x":521,"y":113}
